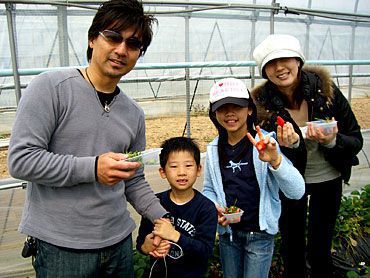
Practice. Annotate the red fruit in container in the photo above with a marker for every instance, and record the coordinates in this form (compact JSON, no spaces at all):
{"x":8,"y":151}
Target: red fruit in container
{"x":280,"y":121}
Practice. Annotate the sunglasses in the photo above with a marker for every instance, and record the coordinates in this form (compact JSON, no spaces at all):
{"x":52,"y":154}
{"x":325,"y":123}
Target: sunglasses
{"x":132,"y":43}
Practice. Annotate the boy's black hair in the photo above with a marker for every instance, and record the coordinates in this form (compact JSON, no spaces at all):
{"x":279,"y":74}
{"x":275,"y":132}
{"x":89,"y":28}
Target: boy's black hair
{"x":118,"y":15}
{"x":177,"y":144}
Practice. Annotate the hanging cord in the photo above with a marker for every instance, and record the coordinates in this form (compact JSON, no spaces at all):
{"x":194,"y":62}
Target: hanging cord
{"x":164,"y":259}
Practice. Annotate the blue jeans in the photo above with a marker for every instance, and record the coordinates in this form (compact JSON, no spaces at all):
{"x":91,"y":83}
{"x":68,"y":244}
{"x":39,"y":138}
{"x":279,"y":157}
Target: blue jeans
{"x":248,"y":255}
{"x":58,"y":262}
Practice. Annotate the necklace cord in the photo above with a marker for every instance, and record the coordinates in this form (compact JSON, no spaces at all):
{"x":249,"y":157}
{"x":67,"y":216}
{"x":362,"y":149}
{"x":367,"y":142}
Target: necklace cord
{"x":88,"y":77}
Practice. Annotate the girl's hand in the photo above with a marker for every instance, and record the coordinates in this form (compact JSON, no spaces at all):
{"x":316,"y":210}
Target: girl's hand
{"x":222,"y":219}
{"x":164,"y":229}
{"x":286,"y":136}
{"x":268,"y":152}
{"x":315,"y":134}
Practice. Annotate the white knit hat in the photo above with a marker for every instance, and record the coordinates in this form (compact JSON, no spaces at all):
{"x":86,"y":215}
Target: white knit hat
{"x":228,"y":90}
{"x":276,"y":46}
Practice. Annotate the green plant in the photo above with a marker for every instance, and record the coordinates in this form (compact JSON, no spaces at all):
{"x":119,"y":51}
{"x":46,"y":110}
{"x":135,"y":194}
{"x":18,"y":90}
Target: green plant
{"x":214,"y":265}
{"x":353,"y":221}
{"x":141,"y":263}
{"x":277,"y":267}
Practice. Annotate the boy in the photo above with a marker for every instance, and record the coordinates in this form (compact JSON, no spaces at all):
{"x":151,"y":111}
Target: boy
{"x":194,"y":216}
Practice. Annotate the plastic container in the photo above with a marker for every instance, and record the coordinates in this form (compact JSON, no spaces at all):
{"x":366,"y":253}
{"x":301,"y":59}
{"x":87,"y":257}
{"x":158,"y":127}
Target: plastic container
{"x":325,"y":126}
{"x":233,"y":216}
{"x":147,"y":157}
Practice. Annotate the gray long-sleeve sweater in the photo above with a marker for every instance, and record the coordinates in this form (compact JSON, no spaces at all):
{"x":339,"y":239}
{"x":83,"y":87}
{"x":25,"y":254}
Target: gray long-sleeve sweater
{"x":60,"y":128}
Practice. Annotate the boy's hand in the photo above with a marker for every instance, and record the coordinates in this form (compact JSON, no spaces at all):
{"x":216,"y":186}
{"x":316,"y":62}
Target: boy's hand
{"x":162,"y":250}
{"x":268,"y":152}
{"x":286,"y":135}
{"x":159,"y":251}
{"x":164,"y":229}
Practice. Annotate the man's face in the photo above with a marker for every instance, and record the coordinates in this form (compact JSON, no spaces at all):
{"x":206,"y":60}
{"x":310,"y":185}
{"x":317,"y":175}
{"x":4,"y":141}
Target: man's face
{"x":112,"y":59}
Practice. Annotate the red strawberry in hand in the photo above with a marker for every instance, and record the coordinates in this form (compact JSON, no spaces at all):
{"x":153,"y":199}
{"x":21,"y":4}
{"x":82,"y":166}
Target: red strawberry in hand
{"x":260,"y":146}
{"x":280,"y":121}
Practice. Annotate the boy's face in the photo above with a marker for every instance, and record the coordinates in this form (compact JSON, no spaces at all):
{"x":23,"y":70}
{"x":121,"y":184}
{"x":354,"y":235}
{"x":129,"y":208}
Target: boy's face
{"x":181,"y":170}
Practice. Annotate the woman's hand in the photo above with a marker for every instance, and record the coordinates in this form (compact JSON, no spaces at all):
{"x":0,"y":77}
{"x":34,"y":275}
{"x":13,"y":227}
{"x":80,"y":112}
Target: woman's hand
{"x":267,"y":148}
{"x":315,"y":134}
{"x":286,"y":135}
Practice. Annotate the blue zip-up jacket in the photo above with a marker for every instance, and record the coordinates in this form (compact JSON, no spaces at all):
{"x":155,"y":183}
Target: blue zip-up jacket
{"x":286,"y":178}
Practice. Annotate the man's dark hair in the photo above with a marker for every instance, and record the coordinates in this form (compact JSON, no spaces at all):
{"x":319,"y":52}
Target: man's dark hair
{"x":177,"y":144}
{"x":118,"y":15}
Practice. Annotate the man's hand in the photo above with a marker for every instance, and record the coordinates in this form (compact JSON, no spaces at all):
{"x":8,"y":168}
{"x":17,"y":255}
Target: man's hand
{"x":112,"y":168}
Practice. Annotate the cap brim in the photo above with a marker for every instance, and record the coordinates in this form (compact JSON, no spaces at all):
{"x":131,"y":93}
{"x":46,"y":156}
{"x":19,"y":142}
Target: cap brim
{"x":277,"y":54}
{"x":243,"y":102}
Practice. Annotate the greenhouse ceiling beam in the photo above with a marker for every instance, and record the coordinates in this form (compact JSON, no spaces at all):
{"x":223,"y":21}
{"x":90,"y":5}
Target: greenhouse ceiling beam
{"x":33,"y":13}
{"x":183,"y":65}
{"x":204,"y":5}
{"x":192,"y":77}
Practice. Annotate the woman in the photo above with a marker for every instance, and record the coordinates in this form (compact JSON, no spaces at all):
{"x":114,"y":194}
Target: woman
{"x":299,"y":95}
{"x":239,"y":174}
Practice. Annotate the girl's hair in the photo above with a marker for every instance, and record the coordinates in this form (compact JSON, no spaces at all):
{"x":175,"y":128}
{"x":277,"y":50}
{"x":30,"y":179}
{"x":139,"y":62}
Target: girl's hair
{"x":118,"y":15}
{"x":178,"y":144}
{"x":222,"y":132}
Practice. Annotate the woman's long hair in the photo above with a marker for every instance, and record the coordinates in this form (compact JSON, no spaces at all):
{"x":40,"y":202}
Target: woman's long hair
{"x":222,"y":132}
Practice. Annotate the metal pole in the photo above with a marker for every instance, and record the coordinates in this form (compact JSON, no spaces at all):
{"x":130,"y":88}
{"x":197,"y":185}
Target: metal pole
{"x":63,"y":36}
{"x":253,"y":45}
{"x":10,"y":14}
{"x":273,"y":12}
{"x":351,"y":55}
{"x":187,"y":76}
{"x":308,"y":29}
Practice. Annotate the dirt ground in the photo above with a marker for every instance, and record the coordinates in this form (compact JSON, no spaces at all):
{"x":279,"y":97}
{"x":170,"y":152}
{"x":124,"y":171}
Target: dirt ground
{"x":202,"y":129}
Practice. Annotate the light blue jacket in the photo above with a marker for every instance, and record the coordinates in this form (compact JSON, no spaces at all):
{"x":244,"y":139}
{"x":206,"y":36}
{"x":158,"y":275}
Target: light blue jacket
{"x":286,"y":178}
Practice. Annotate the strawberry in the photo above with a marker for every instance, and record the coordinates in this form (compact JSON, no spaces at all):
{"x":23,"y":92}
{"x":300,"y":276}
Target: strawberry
{"x":260,"y":146}
{"x":280,"y":121}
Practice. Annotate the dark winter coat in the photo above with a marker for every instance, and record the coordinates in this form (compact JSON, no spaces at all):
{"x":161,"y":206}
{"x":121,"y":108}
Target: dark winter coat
{"x":324,"y":101}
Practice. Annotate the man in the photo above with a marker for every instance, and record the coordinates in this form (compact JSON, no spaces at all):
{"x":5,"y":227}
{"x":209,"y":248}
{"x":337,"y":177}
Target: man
{"x":68,"y":141}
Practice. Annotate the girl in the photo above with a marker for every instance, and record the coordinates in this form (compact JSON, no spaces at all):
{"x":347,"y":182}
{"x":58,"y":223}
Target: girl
{"x":238,"y":174}
{"x":324,"y":158}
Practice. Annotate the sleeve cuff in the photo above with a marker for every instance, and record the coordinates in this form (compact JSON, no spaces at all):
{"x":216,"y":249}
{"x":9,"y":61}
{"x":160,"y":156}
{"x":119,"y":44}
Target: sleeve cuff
{"x":332,"y":144}
{"x":96,"y":168}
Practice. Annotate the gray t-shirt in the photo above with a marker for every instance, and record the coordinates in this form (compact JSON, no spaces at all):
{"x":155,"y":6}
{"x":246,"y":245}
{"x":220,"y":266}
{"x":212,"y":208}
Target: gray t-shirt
{"x":60,"y":128}
{"x":318,"y":169}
